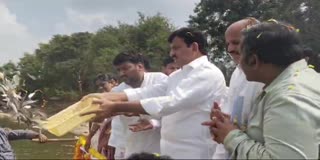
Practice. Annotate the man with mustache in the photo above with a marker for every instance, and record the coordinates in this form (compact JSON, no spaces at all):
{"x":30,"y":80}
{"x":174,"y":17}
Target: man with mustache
{"x":241,"y":93}
{"x":284,"y":121}
{"x":182,"y":102}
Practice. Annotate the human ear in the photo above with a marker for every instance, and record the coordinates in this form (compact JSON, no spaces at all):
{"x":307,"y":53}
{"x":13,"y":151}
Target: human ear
{"x":195,"y":46}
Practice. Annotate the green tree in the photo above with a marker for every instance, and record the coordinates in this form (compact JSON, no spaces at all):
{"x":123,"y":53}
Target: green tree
{"x":9,"y":69}
{"x":59,"y":66}
{"x":31,"y":72}
{"x":213,"y":17}
{"x":67,"y":64}
{"x":150,"y":38}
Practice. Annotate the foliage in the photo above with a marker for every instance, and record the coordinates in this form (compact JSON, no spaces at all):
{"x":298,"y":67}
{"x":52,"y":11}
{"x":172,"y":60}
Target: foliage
{"x":18,"y":102}
{"x":65,"y":67}
{"x":9,"y":69}
{"x":214,"y":16}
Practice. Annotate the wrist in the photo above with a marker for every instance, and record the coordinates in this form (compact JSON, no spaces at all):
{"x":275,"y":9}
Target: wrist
{"x":155,"y":123}
{"x":123,"y":97}
{"x":113,"y":107}
{"x":36,"y":136}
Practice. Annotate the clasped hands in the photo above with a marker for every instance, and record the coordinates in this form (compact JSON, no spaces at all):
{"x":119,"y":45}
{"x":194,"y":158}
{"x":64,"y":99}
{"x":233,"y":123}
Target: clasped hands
{"x":220,"y":124}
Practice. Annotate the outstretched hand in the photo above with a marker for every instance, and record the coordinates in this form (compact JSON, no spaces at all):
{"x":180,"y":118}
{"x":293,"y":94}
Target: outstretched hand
{"x":93,"y":95}
{"x":105,"y":111}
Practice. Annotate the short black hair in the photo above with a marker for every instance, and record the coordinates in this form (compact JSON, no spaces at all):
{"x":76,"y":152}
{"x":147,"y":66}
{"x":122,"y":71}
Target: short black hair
{"x":134,"y":58}
{"x":276,"y":43}
{"x":147,"y":156}
{"x":167,"y":61}
{"x":190,"y":35}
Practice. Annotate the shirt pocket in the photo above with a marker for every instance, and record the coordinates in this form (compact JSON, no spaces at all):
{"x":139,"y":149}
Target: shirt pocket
{"x":236,"y":115}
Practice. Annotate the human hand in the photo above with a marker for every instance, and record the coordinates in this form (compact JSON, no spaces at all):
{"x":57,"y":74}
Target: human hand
{"x":143,"y":125}
{"x":105,"y":110}
{"x":216,"y":111}
{"x":220,"y":124}
{"x":93,"y":95}
{"x":220,"y":127}
{"x":42,"y":138}
{"x":111,"y":96}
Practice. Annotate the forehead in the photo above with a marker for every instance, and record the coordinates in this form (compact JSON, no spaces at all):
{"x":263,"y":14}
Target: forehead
{"x":233,"y":32}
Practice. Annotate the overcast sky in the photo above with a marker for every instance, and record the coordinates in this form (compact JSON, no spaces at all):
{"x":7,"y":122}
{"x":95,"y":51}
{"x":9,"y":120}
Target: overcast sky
{"x":25,"y":23}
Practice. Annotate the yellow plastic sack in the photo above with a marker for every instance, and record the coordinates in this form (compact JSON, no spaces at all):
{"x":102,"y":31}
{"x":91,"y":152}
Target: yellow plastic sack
{"x":69,"y":118}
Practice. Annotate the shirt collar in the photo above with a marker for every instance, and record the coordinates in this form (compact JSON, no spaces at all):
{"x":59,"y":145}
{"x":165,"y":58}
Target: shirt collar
{"x":197,"y":62}
{"x":293,"y":68}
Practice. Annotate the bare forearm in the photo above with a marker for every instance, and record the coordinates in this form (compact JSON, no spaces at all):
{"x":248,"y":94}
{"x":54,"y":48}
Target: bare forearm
{"x":131,"y":107}
{"x":119,"y":97}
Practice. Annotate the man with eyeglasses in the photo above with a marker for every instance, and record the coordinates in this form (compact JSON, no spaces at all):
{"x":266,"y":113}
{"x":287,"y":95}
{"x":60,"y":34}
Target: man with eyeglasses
{"x":183,"y":101}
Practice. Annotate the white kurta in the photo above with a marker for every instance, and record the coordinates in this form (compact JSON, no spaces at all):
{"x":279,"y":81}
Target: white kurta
{"x":242,"y":95}
{"x":135,"y":142}
{"x":240,"y":99}
{"x":184,"y":102}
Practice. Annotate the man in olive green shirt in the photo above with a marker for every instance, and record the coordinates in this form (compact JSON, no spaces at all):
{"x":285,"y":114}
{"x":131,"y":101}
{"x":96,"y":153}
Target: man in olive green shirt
{"x":285,"y":120}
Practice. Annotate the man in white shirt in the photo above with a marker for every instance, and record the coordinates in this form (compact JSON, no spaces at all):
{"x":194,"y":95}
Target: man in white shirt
{"x":131,"y":70}
{"x":183,"y":101}
{"x":241,"y":93}
{"x":168,"y":67}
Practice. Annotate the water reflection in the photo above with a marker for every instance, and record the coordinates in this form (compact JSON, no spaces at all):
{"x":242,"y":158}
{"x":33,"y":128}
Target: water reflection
{"x":25,"y":149}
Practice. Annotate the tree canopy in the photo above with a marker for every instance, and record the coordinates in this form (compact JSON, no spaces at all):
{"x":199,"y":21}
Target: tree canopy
{"x":214,"y":16}
{"x":67,"y":65}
